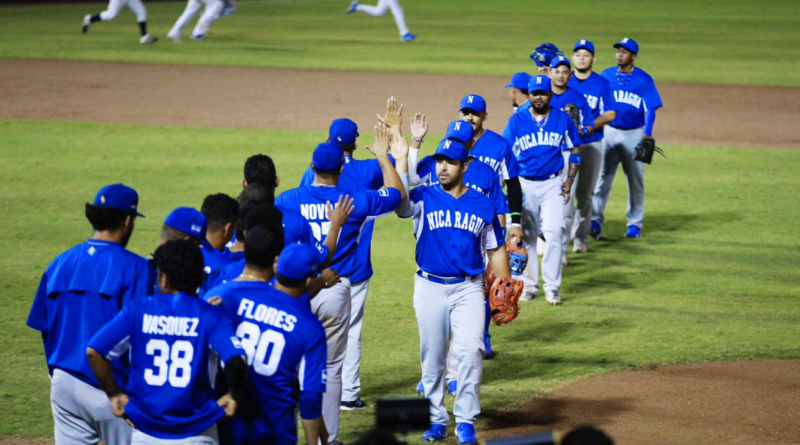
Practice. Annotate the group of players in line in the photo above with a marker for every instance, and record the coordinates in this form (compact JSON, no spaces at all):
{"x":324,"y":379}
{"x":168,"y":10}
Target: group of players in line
{"x":283,"y":279}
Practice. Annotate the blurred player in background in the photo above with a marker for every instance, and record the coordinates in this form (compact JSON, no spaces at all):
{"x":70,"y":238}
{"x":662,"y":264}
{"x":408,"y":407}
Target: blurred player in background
{"x":212,"y":12}
{"x":380,"y":9}
{"x":114,"y":7}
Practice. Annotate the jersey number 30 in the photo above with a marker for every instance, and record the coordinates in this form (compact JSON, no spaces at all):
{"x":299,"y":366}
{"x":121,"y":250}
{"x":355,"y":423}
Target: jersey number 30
{"x":259,"y":345}
{"x":173,"y":364}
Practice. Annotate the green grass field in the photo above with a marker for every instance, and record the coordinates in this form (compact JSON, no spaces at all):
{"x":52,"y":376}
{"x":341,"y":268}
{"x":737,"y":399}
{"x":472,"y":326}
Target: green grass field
{"x":737,"y":42}
{"x":714,"y":277}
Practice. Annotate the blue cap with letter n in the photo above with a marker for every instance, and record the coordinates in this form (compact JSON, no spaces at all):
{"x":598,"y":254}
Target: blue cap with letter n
{"x":299,"y":261}
{"x":520,"y":81}
{"x":328,"y":156}
{"x":460,"y":131}
{"x":628,"y":44}
{"x":343,"y":131}
{"x":473,"y":102}
{"x":191,"y":222}
{"x":452,"y":150}
{"x":539,"y":83}
{"x":119,"y":197}
{"x":560,"y":60}
{"x":584,"y":44}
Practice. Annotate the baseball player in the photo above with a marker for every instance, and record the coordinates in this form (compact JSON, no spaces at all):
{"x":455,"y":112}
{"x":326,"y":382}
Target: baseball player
{"x":221,"y":212}
{"x":380,"y":9}
{"x":597,"y":91}
{"x":212,"y":12}
{"x":563,"y":95}
{"x":538,"y":137}
{"x":114,"y":7}
{"x":81,"y":290}
{"x":636,"y":100}
{"x":332,"y":306}
{"x":284,"y":340}
{"x":453,"y":225}
{"x":543,"y":55}
{"x":170,"y":397}
{"x":519,"y":91}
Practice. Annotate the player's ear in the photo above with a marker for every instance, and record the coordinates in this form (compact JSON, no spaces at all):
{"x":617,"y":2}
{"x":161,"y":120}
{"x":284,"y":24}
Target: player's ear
{"x":244,"y":183}
{"x":308,"y":282}
{"x":128,"y":222}
{"x":163,"y":282}
{"x":277,"y":181}
{"x":275,"y":266}
{"x":228,"y":229}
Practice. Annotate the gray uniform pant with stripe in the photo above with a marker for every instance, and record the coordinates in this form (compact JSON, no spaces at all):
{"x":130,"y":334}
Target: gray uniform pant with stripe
{"x":351,"y":376}
{"x":543,"y":202}
{"x":578,"y":212}
{"x":619,"y":147}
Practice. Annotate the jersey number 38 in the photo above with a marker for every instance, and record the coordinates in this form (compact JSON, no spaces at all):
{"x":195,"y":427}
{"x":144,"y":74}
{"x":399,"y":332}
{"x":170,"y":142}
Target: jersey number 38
{"x":171,"y":364}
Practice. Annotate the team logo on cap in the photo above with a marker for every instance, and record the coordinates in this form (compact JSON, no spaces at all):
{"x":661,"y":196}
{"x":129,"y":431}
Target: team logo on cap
{"x":583,"y":42}
{"x":625,"y":40}
{"x":469,"y":99}
{"x":538,"y":81}
{"x":447,"y":143}
{"x":102,"y":199}
{"x":457,"y":126}
{"x":196,"y":228}
{"x":339,"y":138}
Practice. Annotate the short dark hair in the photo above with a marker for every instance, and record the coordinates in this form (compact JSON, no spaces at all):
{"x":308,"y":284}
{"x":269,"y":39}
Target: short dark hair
{"x":348,"y":147}
{"x":327,"y":174}
{"x":220,"y":209}
{"x":104,"y":218}
{"x":523,"y":91}
{"x":586,"y":435}
{"x":262,"y":246}
{"x":263,"y":214}
{"x":257,"y":192}
{"x":182,"y":262}
{"x":290,"y":282}
{"x":260,"y":168}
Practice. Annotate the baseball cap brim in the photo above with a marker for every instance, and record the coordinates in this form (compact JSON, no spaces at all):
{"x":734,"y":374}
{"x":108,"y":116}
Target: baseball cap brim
{"x":622,"y":45}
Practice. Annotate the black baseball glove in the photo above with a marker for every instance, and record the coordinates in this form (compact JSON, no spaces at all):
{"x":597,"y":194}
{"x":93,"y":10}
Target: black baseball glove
{"x":645,"y":149}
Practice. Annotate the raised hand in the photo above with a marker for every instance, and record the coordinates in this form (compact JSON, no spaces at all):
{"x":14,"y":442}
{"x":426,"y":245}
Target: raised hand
{"x":394,"y":114}
{"x":382,"y":136}
{"x":398,"y":145}
{"x":419,"y":126}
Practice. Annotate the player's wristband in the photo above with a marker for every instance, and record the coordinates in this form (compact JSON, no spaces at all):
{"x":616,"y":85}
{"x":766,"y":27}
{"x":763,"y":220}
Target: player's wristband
{"x":515,"y":214}
{"x":584,"y":131}
{"x":516,"y":225}
{"x":570,"y":177}
{"x":575,"y":159}
{"x":419,"y":141}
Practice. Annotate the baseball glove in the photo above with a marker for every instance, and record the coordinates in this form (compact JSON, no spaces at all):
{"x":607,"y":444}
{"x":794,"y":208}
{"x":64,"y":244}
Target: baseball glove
{"x":574,"y":112}
{"x":504,"y":300}
{"x":517,"y":256}
{"x":645,"y":149}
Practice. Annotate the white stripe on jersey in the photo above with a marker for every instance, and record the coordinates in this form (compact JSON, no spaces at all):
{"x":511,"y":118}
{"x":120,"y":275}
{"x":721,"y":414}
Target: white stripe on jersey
{"x":301,"y":372}
{"x":119,"y":349}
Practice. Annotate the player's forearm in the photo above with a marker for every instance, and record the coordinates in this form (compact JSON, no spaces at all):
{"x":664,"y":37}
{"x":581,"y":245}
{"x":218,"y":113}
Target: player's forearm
{"x":574,"y":161}
{"x":604,"y":119}
{"x":331,"y":241}
{"x":315,"y":286}
{"x":236,"y":376}
{"x":390,"y":177}
{"x":498,"y":258}
{"x":102,"y":370}
{"x":514,"y":199}
{"x":315,"y":431}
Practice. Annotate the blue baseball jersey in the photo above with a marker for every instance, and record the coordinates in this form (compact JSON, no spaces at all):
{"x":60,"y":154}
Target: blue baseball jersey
{"x":358,"y":175}
{"x":286,"y":352}
{"x":538,"y":146}
{"x":311,"y":201}
{"x":574,"y":97}
{"x":452,"y":233}
{"x":235,"y":256}
{"x":523,"y":107}
{"x":83,"y":289}
{"x":632,"y":96}
{"x":597,"y":92}
{"x":172,"y":369}
{"x":215,"y":259}
{"x":494,"y":151}
{"x":479,"y":177}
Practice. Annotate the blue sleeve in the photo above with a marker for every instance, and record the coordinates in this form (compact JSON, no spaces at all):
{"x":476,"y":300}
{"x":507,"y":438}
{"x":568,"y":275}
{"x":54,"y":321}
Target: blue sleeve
{"x":511,"y":162}
{"x":380,"y":202}
{"x":113,"y":339}
{"x":37,"y":318}
{"x":572,"y":134}
{"x":498,"y":199}
{"x":144,"y":283}
{"x":222,"y":337}
{"x":306,"y":234}
{"x":313,"y":377}
{"x":649,"y":121}
{"x":652,"y":99}
{"x":308,"y":177}
{"x":498,"y":231}
{"x":607,"y":103}
{"x":508,"y":132}
{"x":310,"y":405}
{"x":588,"y":116}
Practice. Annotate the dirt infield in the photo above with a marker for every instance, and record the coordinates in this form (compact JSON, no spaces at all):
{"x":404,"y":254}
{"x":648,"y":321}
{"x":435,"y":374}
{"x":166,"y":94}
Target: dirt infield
{"x":308,"y":100}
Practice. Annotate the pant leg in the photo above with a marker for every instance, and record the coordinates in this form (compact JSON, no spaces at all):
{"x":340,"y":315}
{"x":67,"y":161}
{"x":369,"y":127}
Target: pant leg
{"x":399,"y":17}
{"x":351,"y":377}
{"x":552,"y":216}
{"x":569,"y":208}
{"x":467,"y":313}
{"x":608,"y":170}
{"x":192,"y":6}
{"x":113,"y":9}
{"x":530,"y":233}
{"x":332,"y":307}
{"x":207,"y":437}
{"x":375,"y":11}
{"x":452,"y":363}
{"x":433,"y":321}
{"x":634,"y":170}
{"x":211,"y":13}
{"x":592,"y":157}
{"x":138,"y":8}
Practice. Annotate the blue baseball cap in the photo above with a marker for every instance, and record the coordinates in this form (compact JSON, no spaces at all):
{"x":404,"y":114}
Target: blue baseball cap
{"x":560,"y":60}
{"x":118,"y":196}
{"x":452,"y":150}
{"x":343,"y":131}
{"x":473,"y":102}
{"x":460,"y":131}
{"x":300,"y":261}
{"x":584,"y":44}
{"x":628,"y":44}
{"x":539,"y":83}
{"x":191,"y":222}
{"x":328,"y":156}
{"x":520,"y":81}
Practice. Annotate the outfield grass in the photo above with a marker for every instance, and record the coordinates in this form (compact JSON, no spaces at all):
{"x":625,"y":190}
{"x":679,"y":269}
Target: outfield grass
{"x":737,"y":42}
{"x":714,"y":278}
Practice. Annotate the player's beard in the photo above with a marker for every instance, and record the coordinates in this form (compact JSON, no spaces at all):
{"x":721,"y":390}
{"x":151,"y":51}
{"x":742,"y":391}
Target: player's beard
{"x":540,"y":110}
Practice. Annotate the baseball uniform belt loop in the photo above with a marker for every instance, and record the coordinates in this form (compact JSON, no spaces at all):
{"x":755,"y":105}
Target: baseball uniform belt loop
{"x":443,"y":280}
{"x":542,"y":178}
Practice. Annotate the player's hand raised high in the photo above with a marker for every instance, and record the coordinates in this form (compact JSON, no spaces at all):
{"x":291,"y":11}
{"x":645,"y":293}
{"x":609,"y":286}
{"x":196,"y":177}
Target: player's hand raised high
{"x":381,"y":146}
{"x":419,"y":126}
{"x":394,"y":114}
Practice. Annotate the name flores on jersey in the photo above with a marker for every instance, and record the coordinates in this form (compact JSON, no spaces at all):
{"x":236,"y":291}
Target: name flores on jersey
{"x":626,"y":97}
{"x":267,"y":315}
{"x":464,"y":221}
{"x":535,"y":139}
{"x":168,"y":325}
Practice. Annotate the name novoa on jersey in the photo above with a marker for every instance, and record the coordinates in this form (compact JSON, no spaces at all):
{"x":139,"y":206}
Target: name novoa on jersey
{"x":626,"y":97}
{"x":169,"y":325}
{"x":541,"y":138}
{"x":314,"y":212}
{"x":267,"y":315}
{"x":442,"y":218}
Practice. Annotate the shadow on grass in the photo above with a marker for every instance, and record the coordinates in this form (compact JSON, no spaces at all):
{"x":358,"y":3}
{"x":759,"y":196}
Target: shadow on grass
{"x":552,"y":411}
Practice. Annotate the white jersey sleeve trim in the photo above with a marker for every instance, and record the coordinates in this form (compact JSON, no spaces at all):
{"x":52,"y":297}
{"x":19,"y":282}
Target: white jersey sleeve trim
{"x":119,"y":349}
{"x":488,"y":238}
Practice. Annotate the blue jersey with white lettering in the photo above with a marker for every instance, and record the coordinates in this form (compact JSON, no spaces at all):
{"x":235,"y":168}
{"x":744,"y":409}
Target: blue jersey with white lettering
{"x":597,"y":92}
{"x":451,"y":233}
{"x":478,"y":176}
{"x":358,"y":175}
{"x":172,"y":368}
{"x":633,"y":94}
{"x":494,"y":151}
{"x":538,"y":149}
{"x":574,"y":97}
{"x":311,"y":201}
{"x":215,"y":259}
{"x":82,"y":290}
{"x":287,"y":353}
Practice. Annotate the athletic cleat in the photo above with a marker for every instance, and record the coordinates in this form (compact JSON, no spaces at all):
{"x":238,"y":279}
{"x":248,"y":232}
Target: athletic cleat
{"x":452,"y":387}
{"x":596,"y":230}
{"x":420,"y":388}
{"x":355,"y":404}
{"x":408,"y":37}
{"x":487,"y":344}
{"x":552,"y":297}
{"x":87,"y":22}
{"x":564,"y":260}
{"x":174,"y":38}
{"x":466,"y":434}
{"x":352,"y":8}
{"x":529,"y":294}
{"x":198,"y":37}
{"x":435,"y":433}
{"x":540,"y":246}
{"x":148,"y":39}
{"x":633,"y":232}
{"x":579,"y":246}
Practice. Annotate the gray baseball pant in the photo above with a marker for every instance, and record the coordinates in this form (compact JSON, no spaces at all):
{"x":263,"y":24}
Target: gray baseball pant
{"x":351,"y":378}
{"x":207,"y":437}
{"x":578,"y":212}
{"x":618,"y":148}
{"x":543,"y":202}
{"x":380,"y":9}
{"x":115,"y":6}
{"x":441,"y":308}
{"x":332,"y":307}
{"x":82,"y":413}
